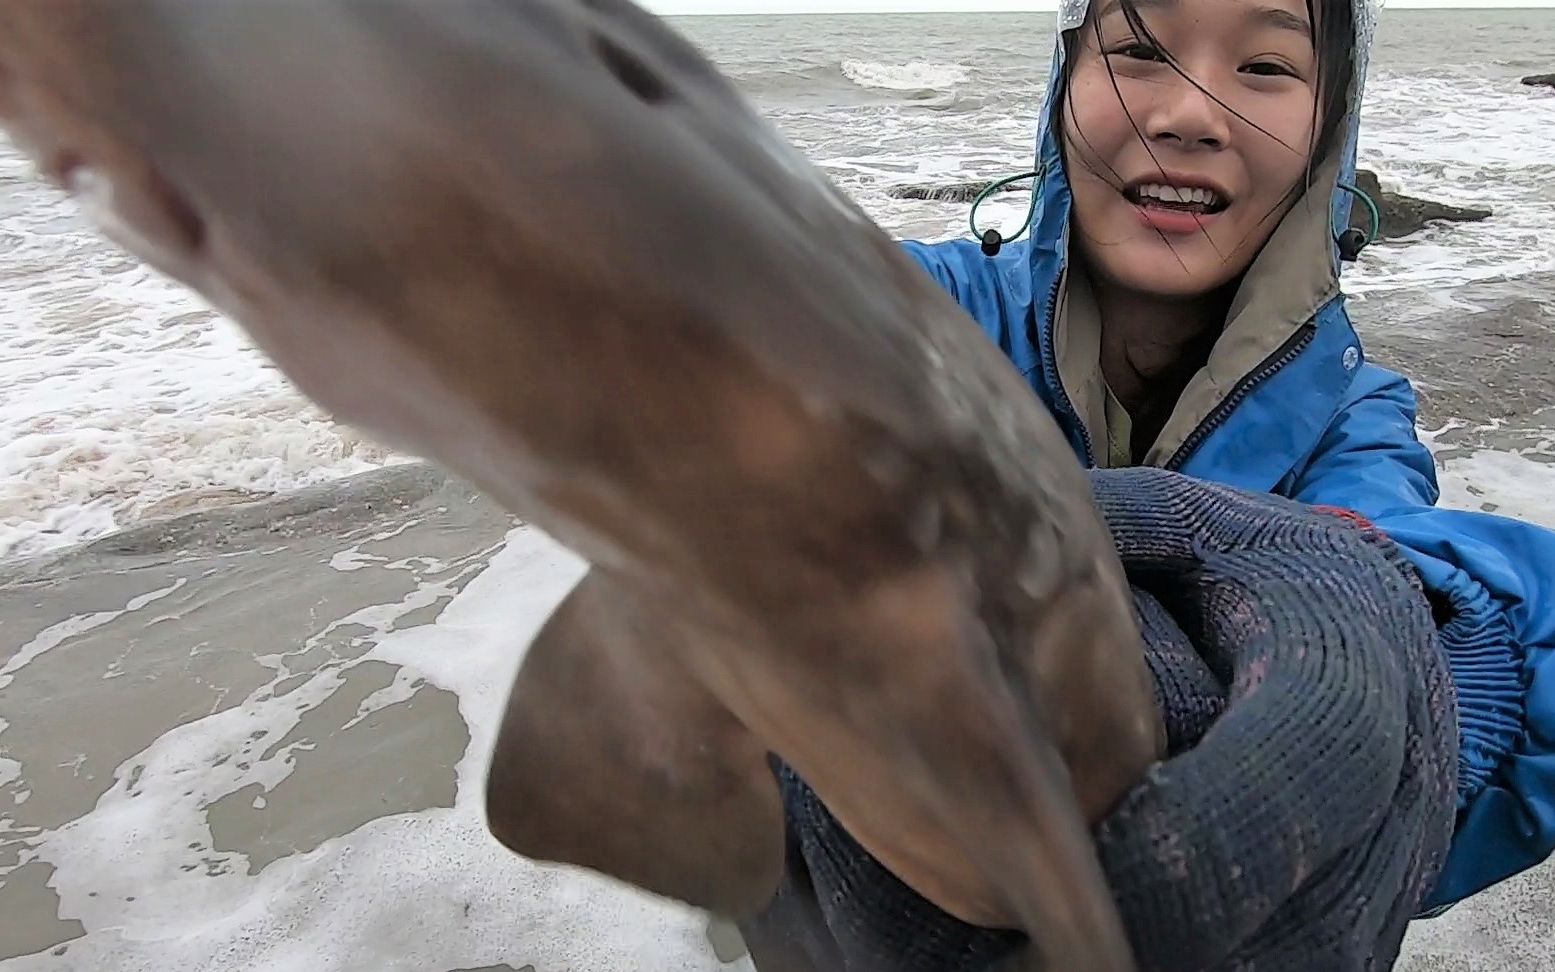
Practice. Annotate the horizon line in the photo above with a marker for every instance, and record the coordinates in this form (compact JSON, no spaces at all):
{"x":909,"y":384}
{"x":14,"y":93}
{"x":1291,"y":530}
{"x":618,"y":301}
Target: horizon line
{"x":817,"y":8}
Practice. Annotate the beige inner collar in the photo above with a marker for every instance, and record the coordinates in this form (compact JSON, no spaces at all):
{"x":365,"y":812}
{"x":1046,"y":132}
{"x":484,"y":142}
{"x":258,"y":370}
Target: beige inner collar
{"x":1292,"y":277}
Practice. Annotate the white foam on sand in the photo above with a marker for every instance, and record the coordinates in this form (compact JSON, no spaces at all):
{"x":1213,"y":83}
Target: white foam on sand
{"x":10,"y":769}
{"x":1503,"y":483}
{"x":426,"y":891}
{"x":57,"y":634}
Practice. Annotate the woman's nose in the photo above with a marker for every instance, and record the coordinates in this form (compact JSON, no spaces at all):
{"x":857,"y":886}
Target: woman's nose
{"x":1186,"y":113}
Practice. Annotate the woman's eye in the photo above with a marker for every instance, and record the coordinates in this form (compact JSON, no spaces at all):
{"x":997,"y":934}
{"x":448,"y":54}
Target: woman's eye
{"x":1139,"y":52}
{"x":1269,"y":69}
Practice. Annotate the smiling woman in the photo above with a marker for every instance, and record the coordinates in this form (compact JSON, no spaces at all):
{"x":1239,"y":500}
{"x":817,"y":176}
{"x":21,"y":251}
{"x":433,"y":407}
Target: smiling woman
{"x":1189,"y":129}
{"x":1186,"y":132}
{"x":1206,"y":124}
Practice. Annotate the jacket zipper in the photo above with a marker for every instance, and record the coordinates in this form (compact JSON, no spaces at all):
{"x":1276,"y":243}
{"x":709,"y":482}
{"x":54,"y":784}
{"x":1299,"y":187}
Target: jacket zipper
{"x":1050,"y":368}
{"x":1282,"y":356}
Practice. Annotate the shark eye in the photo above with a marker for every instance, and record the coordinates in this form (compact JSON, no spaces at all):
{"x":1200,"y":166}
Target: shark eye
{"x":629,"y":69}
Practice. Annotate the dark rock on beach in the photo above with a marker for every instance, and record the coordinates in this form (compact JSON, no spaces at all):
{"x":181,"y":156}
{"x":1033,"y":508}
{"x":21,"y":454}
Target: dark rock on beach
{"x":1540,"y":80}
{"x":1401,"y":215}
{"x":956,"y":192}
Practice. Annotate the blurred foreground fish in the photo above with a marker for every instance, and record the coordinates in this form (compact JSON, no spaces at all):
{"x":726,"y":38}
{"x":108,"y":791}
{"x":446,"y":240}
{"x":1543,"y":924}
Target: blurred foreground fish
{"x":544,"y":243}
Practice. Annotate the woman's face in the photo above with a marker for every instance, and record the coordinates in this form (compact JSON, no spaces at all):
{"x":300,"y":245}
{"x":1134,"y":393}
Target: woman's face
{"x":1174,"y":193}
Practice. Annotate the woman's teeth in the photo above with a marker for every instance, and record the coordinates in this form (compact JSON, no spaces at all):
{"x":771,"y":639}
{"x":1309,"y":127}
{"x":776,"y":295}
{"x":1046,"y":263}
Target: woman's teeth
{"x":1176,"y":196}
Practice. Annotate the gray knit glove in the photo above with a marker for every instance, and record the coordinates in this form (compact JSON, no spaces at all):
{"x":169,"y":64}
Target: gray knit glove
{"x":1305,"y":826}
{"x":1307,"y":801}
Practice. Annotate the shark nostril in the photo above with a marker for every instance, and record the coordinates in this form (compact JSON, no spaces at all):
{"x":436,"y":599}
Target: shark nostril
{"x":135,"y":205}
{"x":182,"y":224}
{"x":629,"y":69}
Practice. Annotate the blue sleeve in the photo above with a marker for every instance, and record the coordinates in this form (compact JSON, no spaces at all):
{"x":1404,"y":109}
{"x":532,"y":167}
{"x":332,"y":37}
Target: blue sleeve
{"x":1492,"y":582}
{"x":995,"y":291}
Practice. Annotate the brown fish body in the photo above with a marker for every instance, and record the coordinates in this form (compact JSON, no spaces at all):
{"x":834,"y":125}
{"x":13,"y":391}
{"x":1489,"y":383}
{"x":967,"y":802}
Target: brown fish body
{"x":547,"y":245}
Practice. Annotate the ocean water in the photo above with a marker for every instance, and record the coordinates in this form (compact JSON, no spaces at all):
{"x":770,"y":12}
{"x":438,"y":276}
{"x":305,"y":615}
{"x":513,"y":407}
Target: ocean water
{"x":125,"y":397}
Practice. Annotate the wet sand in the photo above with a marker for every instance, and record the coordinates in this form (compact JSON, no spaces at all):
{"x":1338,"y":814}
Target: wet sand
{"x":1482,"y":360}
{"x":254,"y":736}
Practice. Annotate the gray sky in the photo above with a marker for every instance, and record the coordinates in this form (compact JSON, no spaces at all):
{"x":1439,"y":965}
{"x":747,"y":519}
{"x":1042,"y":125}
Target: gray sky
{"x":881,"y":6}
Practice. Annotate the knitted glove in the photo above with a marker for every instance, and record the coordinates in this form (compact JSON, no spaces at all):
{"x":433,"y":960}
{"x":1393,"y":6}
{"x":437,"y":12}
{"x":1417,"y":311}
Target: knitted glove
{"x":1306,"y":804}
{"x":1305,"y":827}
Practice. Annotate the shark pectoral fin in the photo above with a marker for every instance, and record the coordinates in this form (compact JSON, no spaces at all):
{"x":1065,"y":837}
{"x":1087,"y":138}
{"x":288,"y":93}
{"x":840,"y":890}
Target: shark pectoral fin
{"x":612,"y":757}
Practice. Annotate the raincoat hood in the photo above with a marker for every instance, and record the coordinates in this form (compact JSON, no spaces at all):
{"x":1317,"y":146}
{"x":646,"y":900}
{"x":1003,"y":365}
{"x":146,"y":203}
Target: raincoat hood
{"x":1293,"y":278}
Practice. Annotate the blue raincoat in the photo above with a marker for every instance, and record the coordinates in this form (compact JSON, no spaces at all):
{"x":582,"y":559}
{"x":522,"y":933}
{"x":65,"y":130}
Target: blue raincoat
{"x":1288,"y":404}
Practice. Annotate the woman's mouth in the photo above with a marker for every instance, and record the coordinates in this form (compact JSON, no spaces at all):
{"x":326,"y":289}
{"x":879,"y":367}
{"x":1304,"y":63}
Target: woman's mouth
{"x":1177,"y":199}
